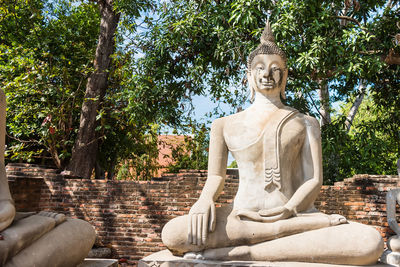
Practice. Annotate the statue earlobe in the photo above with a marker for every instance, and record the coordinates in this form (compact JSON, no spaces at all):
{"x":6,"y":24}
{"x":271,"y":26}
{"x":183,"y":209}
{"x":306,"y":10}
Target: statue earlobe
{"x":251,"y":86}
{"x":284,"y":80}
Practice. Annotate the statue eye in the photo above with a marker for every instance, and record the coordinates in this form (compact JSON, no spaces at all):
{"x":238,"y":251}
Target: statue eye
{"x":275,"y":69}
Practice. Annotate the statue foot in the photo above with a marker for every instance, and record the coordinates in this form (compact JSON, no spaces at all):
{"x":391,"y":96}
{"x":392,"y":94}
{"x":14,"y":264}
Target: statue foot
{"x":193,"y":256}
{"x":394,"y":243}
{"x":59,"y":218}
{"x":336,"y":219}
{"x":235,"y":253}
{"x":7,"y":213}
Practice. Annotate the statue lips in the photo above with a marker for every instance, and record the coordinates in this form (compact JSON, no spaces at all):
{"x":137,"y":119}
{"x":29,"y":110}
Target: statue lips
{"x":267,"y":84}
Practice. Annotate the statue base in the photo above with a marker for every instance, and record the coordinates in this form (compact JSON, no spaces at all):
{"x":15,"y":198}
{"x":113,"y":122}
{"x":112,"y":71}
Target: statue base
{"x":165,"y":258}
{"x":94,"y":262}
{"x":391,"y":258}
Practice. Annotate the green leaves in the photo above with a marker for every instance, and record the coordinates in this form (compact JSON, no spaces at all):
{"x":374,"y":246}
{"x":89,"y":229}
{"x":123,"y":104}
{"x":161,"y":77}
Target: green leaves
{"x":43,"y":75}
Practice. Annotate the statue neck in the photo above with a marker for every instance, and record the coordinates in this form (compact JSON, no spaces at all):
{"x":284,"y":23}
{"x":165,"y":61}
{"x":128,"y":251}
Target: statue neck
{"x":267,"y":101}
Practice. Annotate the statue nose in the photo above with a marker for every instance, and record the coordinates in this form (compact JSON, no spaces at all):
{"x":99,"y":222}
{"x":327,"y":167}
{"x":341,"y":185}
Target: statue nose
{"x":266,"y":73}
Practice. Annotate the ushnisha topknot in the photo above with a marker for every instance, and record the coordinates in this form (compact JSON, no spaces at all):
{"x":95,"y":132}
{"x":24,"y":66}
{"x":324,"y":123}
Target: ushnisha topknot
{"x":267,"y":46}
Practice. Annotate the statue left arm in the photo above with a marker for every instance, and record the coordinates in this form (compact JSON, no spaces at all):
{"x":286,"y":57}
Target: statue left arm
{"x":305,"y":195}
{"x":311,"y":155}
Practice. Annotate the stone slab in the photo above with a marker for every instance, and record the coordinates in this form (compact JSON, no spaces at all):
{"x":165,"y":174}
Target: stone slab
{"x":165,"y":258}
{"x":92,"y":262}
{"x":102,"y":253}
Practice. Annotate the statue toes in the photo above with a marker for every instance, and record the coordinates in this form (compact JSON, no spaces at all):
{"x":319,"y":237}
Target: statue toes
{"x":394,"y":243}
{"x":190,"y":256}
{"x":59,"y":218}
{"x":336,"y":219}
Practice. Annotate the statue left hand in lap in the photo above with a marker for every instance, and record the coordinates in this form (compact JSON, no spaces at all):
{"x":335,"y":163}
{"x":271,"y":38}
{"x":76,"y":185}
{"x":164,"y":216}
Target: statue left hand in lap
{"x":279,"y":157}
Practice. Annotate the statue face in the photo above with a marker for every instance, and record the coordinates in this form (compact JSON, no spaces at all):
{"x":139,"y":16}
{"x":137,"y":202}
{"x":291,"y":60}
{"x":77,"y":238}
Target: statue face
{"x":267,"y":72}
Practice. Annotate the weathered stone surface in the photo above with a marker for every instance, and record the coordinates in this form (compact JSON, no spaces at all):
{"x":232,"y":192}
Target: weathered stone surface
{"x":99,"y":253}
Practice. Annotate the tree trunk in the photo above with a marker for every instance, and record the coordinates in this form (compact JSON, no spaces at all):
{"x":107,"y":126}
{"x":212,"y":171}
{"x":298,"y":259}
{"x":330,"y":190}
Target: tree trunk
{"x":356,"y":105}
{"x":324,"y":109}
{"x":86,"y":146}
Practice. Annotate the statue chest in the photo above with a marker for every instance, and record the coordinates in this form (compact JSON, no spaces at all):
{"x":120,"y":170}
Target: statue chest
{"x":260,"y":150}
{"x":244,"y":137}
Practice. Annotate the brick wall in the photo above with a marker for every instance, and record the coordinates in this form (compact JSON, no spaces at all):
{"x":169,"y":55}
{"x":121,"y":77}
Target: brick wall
{"x":361,"y":198}
{"x":129,"y":215}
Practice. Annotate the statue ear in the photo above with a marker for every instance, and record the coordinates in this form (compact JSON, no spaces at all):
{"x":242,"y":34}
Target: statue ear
{"x":283,"y":84}
{"x":250,"y":80}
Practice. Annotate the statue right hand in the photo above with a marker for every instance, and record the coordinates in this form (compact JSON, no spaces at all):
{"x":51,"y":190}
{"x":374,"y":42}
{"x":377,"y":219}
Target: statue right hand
{"x":201,"y":221}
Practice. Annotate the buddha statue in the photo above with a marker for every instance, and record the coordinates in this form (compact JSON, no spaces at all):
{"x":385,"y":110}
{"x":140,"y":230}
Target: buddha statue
{"x":44,"y":239}
{"x":279,"y":157}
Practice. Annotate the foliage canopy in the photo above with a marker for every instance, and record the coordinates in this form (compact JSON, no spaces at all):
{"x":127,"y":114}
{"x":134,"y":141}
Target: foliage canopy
{"x":168,"y":51}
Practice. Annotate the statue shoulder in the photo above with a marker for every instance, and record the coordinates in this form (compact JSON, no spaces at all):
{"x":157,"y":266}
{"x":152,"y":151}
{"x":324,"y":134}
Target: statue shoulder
{"x":218,"y":124}
{"x":311,"y":121}
{"x":312,"y":126}
{"x":305,"y":122}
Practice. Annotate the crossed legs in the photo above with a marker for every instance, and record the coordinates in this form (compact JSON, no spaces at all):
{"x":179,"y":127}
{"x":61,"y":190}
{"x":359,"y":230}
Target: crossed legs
{"x":310,"y":237}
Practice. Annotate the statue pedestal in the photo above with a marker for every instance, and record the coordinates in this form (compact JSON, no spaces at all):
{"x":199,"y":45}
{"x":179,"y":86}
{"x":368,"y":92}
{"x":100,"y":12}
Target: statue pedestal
{"x":391,"y":258}
{"x":93,"y":262}
{"x":166,"y":259}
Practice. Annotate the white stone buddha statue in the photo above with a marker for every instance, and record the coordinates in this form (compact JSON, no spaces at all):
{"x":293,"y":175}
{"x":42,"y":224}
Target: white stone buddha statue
{"x":279,"y":157}
{"x":45,"y":239}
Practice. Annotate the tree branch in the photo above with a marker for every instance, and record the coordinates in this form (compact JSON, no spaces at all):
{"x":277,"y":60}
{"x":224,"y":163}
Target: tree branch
{"x":315,"y":106}
{"x":350,"y":19}
{"x":354,"y":108}
{"x":22,"y":141}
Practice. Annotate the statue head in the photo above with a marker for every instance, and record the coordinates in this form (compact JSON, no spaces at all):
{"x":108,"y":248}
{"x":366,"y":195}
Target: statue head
{"x":276,"y":71}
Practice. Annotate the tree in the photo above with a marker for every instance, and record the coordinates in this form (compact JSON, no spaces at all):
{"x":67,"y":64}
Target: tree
{"x":86,"y":145}
{"x":85,"y":149}
{"x":45,"y":53}
{"x":44,"y":70}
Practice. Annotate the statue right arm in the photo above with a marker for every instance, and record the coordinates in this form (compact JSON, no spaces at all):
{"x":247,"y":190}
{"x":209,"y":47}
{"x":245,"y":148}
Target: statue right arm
{"x":202,"y":214}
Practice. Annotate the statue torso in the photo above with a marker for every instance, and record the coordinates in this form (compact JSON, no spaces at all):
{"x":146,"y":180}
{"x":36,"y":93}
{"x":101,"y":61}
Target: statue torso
{"x":267,"y":148}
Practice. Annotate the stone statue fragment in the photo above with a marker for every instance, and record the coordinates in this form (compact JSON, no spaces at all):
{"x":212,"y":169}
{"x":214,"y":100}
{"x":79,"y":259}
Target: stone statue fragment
{"x":45,"y":239}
